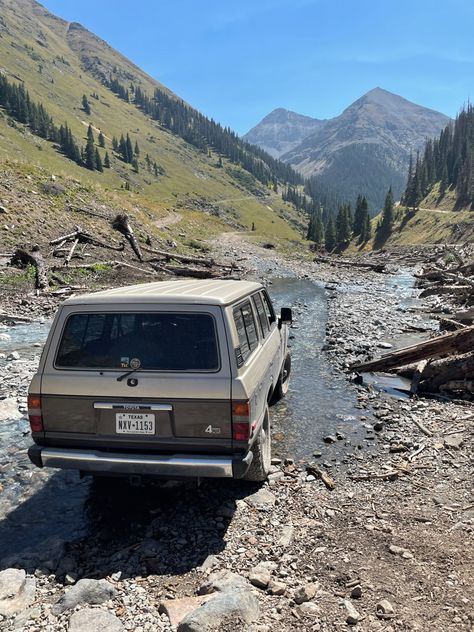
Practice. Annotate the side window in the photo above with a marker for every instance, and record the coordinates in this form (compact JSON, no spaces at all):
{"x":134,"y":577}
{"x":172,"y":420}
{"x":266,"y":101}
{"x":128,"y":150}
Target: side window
{"x":262,"y":315}
{"x":246,"y":331}
{"x":268,"y":307}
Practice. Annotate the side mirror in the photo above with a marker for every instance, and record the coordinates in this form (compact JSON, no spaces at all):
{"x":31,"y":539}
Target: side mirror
{"x":286,"y":317}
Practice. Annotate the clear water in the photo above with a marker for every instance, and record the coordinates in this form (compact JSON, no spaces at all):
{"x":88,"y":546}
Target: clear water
{"x":320,"y":400}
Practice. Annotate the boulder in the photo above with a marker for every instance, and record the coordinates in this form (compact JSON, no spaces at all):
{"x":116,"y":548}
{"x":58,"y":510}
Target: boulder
{"x":239,"y":608}
{"x":86,"y":591}
{"x":17,"y":591}
{"x":93,"y":620}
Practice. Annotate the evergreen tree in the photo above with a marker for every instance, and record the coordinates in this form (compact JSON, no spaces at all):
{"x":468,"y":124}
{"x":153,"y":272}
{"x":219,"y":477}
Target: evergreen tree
{"x":155,"y":169}
{"x":107,"y":160}
{"x":330,"y":235}
{"x":361,"y":210}
{"x":136,"y":151}
{"x":135,"y":164}
{"x":90,"y":134}
{"x":98,"y":161}
{"x":115,"y":143}
{"x":384,"y":228}
{"x":129,"y":150}
{"x":86,"y":105}
{"x":367,"y":230}
{"x":343,"y":225}
{"x":89,"y":154}
{"x":101,"y":139}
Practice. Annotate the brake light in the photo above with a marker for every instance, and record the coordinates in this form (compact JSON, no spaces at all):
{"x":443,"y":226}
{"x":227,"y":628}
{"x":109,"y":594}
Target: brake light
{"x":35,"y":415}
{"x":241,"y":421}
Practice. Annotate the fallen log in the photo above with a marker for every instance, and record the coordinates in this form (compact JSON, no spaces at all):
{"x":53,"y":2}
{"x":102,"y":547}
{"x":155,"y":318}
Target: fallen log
{"x":23,"y":258}
{"x":186,"y":272}
{"x":375,"y":267}
{"x":71,"y":251}
{"x":460,"y":341}
{"x":458,"y":386}
{"x":446,"y":289}
{"x":452,"y":368}
{"x":183,"y":258}
{"x":122,"y":224}
{"x":448,"y":324}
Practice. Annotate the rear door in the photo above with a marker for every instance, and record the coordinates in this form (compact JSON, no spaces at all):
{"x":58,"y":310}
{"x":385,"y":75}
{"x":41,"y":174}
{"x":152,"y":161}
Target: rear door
{"x":176,"y":395}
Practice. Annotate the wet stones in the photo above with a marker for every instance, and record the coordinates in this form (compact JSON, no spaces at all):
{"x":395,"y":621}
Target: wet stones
{"x":17,"y":591}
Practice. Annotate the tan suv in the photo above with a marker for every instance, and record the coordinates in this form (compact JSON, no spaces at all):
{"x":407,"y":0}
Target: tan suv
{"x":167,"y":379}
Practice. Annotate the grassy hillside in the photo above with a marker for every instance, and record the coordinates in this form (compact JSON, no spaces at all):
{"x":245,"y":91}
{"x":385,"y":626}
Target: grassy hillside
{"x":58,"y":63}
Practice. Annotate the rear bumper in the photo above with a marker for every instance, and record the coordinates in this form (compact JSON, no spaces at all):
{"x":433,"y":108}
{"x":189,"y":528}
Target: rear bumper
{"x":164,"y":465}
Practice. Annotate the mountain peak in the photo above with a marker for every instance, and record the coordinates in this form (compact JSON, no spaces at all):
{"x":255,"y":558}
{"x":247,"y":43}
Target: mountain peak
{"x":281,"y":131}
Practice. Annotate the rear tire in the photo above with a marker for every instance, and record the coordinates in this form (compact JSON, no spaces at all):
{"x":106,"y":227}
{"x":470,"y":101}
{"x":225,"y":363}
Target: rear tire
{"x":262,"y":453}
{"x":281,"y":388}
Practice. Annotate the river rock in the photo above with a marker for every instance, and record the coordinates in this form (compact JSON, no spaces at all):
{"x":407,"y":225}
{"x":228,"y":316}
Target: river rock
{"x":93,"y":620}
{"x":260,"y":575}
{"x":305,"y":593}
{"x":384,"y":609}
{"x":224,"y":581}
{"x":9,"y":409}
{"x":262,"y":500}
{"x":17,"y":591}
{"x":239,"y":607}
{"x":86,"y":591}
{"x":352,"y":615}
{"x":14,"y":355}
{"x":453,"y":441}
{"x":177,"y":609}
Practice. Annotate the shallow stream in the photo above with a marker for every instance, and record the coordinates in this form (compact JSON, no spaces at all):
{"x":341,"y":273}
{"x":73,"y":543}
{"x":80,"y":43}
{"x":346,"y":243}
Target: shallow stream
{"x":39,"y":507}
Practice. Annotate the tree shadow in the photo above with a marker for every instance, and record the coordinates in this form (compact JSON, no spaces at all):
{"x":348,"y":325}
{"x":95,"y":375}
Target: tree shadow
{"x":95,"y":529}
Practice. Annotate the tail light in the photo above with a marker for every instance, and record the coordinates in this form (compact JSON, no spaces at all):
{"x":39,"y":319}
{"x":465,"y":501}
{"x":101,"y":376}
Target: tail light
{"x":34,"y":413}
{"x":242,"y":429}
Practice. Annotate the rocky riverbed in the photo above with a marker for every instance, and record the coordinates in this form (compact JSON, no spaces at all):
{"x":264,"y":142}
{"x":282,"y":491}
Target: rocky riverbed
{"x":388,"y":549}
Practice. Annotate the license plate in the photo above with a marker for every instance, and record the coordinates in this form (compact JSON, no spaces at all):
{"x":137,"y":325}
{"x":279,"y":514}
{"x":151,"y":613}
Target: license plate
{"x":135,"y":423}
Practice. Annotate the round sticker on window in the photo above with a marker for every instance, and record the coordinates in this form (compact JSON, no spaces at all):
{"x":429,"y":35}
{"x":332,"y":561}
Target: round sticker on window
{"x":135,"y":363}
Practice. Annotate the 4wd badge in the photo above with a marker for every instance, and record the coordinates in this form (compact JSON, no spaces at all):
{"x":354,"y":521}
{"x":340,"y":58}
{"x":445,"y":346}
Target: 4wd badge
{"x":212,"y":430}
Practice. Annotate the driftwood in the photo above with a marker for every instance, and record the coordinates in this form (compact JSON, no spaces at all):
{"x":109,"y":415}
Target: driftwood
{"x":446,"y":289}
{"x":439,"y":372}
{"x":457,"y":342}
{"x":415,"y":381}
{"x":14,"y":318}
{"x":458,"y":386}
{"x":23,"y":258}
{"x":313,"y":469}
{"x":375,"y":267}
{"x":71,"y":251}
{"x":122,"y":224}
{"x":183,"y":258}
{"x":186,"y":272}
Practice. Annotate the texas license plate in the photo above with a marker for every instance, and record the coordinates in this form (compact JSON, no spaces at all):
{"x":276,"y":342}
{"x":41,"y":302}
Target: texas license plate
{"x":135,"y":423}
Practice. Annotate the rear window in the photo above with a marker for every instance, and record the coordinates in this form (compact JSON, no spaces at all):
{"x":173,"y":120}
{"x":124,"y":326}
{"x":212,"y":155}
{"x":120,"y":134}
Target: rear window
{"x":156,"y":342}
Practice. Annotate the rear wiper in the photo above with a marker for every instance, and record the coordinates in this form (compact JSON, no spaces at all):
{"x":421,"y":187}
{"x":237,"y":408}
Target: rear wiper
{"x":122,"y":377}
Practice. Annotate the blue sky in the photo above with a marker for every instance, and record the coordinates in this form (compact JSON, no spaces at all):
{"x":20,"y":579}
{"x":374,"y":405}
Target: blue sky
{"x":236,"y":60}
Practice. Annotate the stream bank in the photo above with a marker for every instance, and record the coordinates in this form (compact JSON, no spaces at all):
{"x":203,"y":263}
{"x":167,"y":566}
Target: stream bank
{"x":388,"y":549}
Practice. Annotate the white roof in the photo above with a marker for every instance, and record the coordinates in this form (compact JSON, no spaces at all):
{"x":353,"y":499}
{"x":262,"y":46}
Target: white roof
{"x":215,"y":292}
